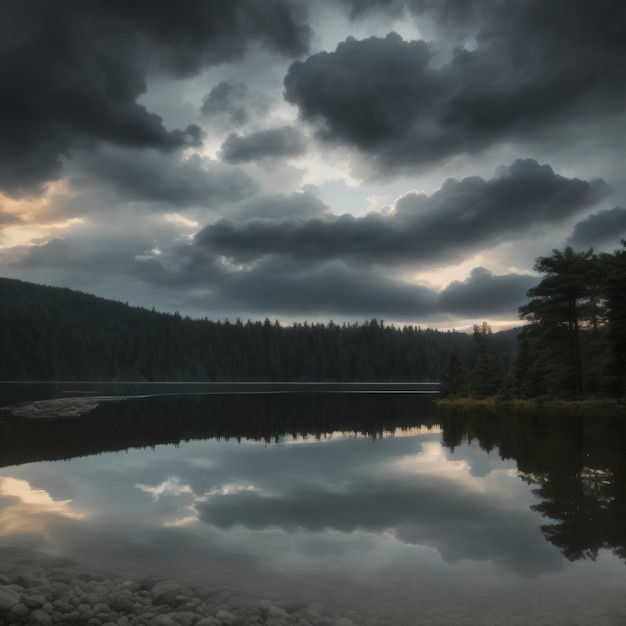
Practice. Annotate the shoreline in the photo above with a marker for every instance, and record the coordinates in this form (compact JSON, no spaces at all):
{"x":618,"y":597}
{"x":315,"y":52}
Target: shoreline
{"x":603,"y":406}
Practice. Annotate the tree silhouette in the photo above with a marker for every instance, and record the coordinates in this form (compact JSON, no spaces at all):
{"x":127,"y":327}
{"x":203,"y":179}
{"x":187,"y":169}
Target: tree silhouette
{"x":563,"y":302}
{"x":614,"y":292}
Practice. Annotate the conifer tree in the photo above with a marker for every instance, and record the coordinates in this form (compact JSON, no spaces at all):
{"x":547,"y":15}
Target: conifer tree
{"x":454,"y":377}
{"x":562,"y":304}
{"x":614,"y":292}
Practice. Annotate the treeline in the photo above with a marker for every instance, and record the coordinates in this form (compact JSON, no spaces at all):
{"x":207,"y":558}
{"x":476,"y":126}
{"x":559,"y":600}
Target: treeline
{"x":574,"y":344}
{"x":50,"y":333}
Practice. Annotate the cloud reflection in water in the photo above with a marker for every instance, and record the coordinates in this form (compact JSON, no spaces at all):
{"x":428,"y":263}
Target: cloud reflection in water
{"x":346,"y":504}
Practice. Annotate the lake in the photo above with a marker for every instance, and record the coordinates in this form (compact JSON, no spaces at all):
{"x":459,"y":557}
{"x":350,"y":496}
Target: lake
{"x":363,"y":499}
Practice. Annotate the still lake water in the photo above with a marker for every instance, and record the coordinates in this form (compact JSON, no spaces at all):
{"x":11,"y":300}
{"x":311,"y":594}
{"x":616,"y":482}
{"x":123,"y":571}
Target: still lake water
{"x":368,"y":500}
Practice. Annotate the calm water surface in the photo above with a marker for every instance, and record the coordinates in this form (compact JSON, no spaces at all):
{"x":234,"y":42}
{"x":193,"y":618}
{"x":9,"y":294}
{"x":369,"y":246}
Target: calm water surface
{"x":361,"y":499}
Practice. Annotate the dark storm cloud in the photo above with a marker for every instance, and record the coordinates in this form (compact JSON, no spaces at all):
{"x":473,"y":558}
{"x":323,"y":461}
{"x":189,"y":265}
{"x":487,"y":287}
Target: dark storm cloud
{"x":285,"y":141}
{"x":459,"y":218}
{"x":482,"y":291}
{"x":72,"y":71}
{"x":337,"y":289}
{"x":367,"y":92}
{"x":182,"y":37}
{"x":436,"y":514}
{"x":181,"y":268}
{"x":151,"y":176}
{"x":535,"y":66}
{"x":274,"y":287}
{"x":600,"y":228}
{"x":325,"y":289}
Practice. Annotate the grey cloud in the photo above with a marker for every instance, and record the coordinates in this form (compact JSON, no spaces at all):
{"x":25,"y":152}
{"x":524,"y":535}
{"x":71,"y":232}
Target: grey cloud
{"x":285,"y":141}
{"x":599,"y":228}
{"x":233,"y":100}
{"x":53,"y":253}
{"x":180,"y":269}
{"x":450,"y":17}
{"x":226,"y":98}
{"x":327,"y":289}
{"x":367,"y":92}
{"x":437,"y":515}
{"x":274,"y":287}
{"x":302,"y":204}
{"x":151,"y":176}
{"x":361,"y":8}
{"x":337,"y":289}
{"x":72,"y":72}
{"x":444,"y":11}
{"x":531,"y":72}
{"x":185,"y":36}
{"x":8,"y":218}
{"x":483,"y":292}
{"x":460,"y":217}
{"x":89,"y":255}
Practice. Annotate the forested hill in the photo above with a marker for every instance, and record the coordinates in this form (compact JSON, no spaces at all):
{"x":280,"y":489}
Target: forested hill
{"x":51,"y":333}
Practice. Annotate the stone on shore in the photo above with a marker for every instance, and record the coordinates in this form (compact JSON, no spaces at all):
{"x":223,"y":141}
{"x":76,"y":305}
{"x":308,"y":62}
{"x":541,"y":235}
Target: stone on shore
{"x":36,"y":589}
{"x":8,"y":598}
{"x":40,"y":617}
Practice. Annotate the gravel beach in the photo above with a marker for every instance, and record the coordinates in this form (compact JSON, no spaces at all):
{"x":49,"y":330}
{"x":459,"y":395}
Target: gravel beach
{"x":39,"y":589}
{"x":36,"y":588}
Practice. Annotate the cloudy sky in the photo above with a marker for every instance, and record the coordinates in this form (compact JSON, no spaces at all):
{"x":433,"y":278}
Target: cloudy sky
{"x":330,"y":159}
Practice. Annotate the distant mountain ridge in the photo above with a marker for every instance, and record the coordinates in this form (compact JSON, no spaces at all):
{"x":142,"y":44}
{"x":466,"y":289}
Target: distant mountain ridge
{"x":55,"y":333}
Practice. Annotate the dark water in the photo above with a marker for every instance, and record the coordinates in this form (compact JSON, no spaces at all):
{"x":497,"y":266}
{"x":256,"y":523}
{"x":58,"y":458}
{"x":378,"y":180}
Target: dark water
{"x":368,"y":500}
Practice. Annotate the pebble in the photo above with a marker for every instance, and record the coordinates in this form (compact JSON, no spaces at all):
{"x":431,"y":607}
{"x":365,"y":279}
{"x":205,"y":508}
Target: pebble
{"x":62,"y":593}
{"x":277,"y":612}
{"x":68,"y":594}
{"x":8,"y":598}
{"x":226,"y":616}
{"x":40,"y":617}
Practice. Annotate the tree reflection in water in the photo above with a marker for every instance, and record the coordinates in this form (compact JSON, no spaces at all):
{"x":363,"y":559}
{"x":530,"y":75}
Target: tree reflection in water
{"x":140,"y":422}
{"x":576,"y":464}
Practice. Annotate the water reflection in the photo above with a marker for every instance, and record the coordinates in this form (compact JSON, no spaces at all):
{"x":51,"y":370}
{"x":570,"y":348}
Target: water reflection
{"x":149,"y":421}
{"x":575,"y":465}
{"x":361,"y":488}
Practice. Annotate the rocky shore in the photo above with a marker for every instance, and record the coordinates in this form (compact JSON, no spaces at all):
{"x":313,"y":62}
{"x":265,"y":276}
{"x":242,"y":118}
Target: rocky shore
{"x":39,"y":589}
